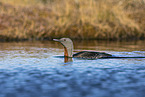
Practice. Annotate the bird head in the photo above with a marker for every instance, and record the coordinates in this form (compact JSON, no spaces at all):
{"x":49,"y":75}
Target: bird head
{"x":66,"y":42}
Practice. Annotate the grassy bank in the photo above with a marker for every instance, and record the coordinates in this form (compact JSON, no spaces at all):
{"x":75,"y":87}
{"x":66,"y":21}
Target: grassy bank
{"x":78,"y":19}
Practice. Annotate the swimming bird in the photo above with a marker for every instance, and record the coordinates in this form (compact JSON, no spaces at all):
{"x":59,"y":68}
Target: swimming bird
{"x":68,"y":51}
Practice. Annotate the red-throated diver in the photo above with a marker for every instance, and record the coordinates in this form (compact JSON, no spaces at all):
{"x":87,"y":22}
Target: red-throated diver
{"x":68,"y":50}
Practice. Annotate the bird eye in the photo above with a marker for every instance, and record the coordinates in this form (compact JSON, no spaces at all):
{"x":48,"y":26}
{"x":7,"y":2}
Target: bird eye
{"x":64,"y":39}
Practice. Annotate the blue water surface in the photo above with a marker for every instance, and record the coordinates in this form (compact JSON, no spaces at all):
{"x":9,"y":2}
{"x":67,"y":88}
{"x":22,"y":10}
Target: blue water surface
{"x":32,"y":70}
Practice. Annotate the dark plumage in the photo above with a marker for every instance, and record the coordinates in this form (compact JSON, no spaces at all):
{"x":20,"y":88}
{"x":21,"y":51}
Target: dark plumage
{"x":91,"y":55}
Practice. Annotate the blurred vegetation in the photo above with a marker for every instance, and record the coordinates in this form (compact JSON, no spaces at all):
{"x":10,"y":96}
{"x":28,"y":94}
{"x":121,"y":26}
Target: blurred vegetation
{"x":77,"y":19}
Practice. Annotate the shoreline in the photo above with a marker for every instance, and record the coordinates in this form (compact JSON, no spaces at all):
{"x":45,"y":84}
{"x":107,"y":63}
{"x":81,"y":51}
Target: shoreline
{"x":82,"y":20}
{"x":75,"y":39}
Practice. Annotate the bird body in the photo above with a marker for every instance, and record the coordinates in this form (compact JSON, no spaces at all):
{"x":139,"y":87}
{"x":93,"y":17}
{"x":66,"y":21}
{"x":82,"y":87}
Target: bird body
{"x":68,"y":51}
{"x":91,"y":55}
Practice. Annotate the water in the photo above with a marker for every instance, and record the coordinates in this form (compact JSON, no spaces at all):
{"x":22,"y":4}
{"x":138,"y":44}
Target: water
{"x":29,"y":69}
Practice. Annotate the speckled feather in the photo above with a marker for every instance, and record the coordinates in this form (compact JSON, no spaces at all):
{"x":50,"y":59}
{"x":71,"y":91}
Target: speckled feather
{"x":91,"y":55}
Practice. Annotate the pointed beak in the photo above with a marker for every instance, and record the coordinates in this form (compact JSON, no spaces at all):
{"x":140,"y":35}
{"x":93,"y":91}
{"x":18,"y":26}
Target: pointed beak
{"x":56,"y":40}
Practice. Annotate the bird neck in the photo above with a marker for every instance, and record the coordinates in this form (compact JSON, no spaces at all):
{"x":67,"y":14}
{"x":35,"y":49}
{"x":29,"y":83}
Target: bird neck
{"x":65,"y":52}
{"x":68,"y":51}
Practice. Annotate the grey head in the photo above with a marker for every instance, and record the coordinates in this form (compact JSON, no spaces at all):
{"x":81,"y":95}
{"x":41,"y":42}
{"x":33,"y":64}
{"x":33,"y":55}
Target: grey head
{"x":68,"y":46}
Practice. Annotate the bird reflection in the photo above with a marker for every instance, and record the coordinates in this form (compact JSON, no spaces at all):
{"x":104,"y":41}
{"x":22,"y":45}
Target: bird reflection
{"x":67,"y":59}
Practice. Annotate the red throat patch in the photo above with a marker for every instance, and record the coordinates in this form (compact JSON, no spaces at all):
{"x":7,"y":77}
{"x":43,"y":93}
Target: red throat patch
{"x":65,"y":52}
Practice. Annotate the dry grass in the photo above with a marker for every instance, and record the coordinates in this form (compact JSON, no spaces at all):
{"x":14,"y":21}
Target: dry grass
{"x":79,"y":19}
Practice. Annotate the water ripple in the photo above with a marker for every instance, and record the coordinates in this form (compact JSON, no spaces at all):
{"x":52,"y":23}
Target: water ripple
{"x":27,"y":72}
